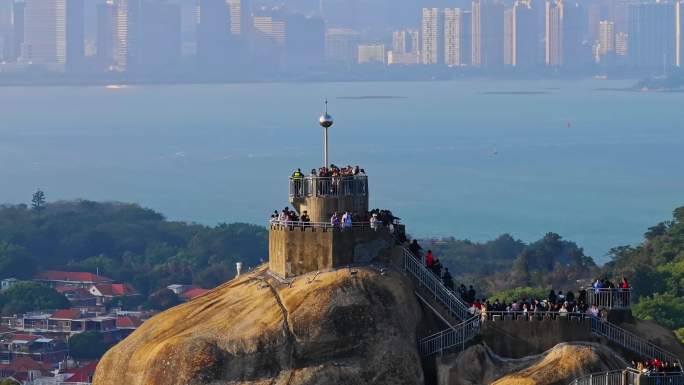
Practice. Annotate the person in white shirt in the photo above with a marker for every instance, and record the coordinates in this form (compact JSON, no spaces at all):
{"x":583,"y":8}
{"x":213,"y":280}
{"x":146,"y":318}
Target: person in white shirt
{"x":374,"y":222}
{"x":347,"y":220}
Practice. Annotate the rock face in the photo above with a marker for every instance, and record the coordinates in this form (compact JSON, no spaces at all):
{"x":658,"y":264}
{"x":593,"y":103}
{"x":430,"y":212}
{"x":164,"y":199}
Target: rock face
{"x":557,"y":366}
{"x":339,"y":328}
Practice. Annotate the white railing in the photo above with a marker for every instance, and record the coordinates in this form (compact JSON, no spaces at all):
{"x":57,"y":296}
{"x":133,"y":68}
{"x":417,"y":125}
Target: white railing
{"x":315,"y":186}
{"x":277,"y":224}
{"x":426,"y":278}
{"x":631,"y":341}
{"x":453,"y":338}
{"x":610,"y":298}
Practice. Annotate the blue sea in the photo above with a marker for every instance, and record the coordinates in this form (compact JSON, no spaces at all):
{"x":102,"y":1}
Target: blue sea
{"x":469,"y":158}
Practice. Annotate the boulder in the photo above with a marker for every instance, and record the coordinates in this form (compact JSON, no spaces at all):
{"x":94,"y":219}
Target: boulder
{"x":348,"y":326}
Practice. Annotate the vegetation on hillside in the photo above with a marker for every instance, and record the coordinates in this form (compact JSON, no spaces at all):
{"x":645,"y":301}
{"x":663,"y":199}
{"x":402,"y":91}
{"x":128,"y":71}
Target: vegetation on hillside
{"x":506,"y":263}
{"x":656,"y":268}
{"x":125,"y":242}
{"x":30,"y":296}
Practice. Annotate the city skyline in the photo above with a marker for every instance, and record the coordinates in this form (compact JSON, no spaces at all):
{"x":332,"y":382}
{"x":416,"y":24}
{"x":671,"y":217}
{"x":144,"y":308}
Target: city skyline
{"x":236,"y":38}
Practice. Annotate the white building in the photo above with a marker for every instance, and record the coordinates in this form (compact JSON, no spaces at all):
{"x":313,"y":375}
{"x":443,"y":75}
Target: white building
{"x":371,"y":53}
{"x":430,"y":30}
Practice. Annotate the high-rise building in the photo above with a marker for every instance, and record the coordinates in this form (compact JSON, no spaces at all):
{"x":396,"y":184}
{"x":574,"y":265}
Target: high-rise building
{"x":621,"y":44}
{"x":526,"y":36}
{"x":399,"y":43}
{"x":453,"y":37}
{"x":159,"y":37}
{"x":75,"y":33}
{"x":371,"y":54}
{"x":270,"y":27}
{"x":106,"y":31}
{"x":431,"y":31}
{"x":679,"y":26}
{"x":18,"y":28}
{"x":606,"y":38}
{"x":553,"y":34}
{"x":127,"y":34}
{"x":487,"y":33}
{"x":44,"y":32}
{"x":213,"y":33}
{"x":304,"y":42}
{"x":564,"y":35}
{"x":341,"y":45}
{"x":240,"y":17}
{"x":509,"y":38}
{"x":6,"y":30}
{"x":652,"y":34}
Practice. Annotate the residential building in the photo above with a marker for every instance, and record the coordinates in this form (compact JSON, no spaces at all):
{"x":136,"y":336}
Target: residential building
{"x":44,"y":32}
{"x":563,"y":35}
{"x":487,"y":33}
{"x":213,"y":33}
{"x":71,"y":278}
{"x":679,"y":34}
{"x":193,"y":293}
{"x":621,"y":44}
{"x":652,"y":34}
{"x":8,"y":283}
{"x":18,"y":28}
{"x":127,"y":34}
{"x":520,"y":35}
{"x":105,"y":292}
{"x":105,"y":33}
{"x":75,"y":33}
{"x":24,"y":370}
{"x":271,"y":28}
{"x":6,"y":30}
{"x":371,"y":54}
{"x":606,"y":39}
{"x":47,"y":351}
{"x":240,"y":18}
{"x":431,"y":32}
{"x":341,"y":45}
{"x":453,"y":37}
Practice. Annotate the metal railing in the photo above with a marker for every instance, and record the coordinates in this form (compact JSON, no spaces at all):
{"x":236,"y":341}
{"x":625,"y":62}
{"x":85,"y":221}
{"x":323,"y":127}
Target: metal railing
{"x":314,"y":186}
{"x":610,"y":298}
{"x":630,"y":377}
{"x":533,"y":315}
{"x":631,"y":341}
{"x":426,"y":278}
{"x":453,"y":338}
{"x":614,"y":377}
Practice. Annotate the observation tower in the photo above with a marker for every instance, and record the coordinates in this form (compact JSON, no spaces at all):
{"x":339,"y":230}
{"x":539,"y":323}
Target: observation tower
{"x":323,"y":242}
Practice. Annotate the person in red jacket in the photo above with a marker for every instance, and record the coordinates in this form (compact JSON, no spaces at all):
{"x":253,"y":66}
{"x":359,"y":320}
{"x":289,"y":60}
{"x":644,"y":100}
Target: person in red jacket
{"x":429,"y":259}
{"x":624,"y":284}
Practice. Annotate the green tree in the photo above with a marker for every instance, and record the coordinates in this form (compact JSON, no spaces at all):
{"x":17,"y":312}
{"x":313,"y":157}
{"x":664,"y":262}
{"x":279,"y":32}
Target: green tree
{"x":15,"y":262}
{"x":519,"y":293}
{"x":7,"y":381}
{"x":31,"y":296}
{"x":38,"y":200}
{"x":162,"y":299}
{"x":87,"y":345}
{"x":665,"y":309}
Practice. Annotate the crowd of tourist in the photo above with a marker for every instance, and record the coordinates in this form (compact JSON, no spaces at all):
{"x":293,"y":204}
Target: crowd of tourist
{"x":375,"y":219}
{"x":329,"y":180}
{"x":655,"y":367}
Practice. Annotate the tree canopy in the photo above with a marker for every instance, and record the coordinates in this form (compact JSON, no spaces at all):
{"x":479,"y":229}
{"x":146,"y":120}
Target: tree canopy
{"x":125,"y":242}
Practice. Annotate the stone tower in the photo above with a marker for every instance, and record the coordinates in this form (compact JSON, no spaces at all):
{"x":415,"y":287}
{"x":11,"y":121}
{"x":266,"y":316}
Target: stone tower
{"x":297,"y":247}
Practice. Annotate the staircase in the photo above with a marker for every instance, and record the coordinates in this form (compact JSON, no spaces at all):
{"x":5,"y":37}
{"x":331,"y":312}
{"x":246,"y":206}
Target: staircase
{"x":455,"y":337}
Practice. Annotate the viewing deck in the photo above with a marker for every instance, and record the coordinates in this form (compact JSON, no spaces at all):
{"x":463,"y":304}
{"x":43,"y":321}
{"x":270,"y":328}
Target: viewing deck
{"x":609,"y":298}
{"x":315,"y":186}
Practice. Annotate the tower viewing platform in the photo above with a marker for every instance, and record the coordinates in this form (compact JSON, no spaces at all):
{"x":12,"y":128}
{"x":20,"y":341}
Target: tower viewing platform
{"x":330,"y":225}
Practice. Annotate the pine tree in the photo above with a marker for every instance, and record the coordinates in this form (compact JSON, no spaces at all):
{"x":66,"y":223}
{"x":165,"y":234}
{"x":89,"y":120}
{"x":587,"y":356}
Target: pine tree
{"x":38,"y":200}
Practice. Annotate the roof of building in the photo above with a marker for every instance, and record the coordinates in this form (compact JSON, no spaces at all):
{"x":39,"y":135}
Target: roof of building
{"x":115,"y":289}
{"x":24,"y":364}
{"x":71,"y":276}
{"x":20,"y":337}
{"x":128,"y":322}
{"x":82,"y":374}
{"x":66,"y":314}
{"x":193,"y":293}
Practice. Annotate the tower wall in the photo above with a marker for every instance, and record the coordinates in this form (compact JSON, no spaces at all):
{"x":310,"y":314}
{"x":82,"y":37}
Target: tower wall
{"x":295,"y":250}
{"x":320,"y":209}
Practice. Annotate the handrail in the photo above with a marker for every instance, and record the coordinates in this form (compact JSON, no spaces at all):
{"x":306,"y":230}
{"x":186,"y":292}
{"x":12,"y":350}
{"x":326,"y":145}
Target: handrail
{"x":315,"y":186}
{"x":552,"y":315}
{"x":323,"y":225}
{"x":454,"y":337}
{"x":616,"y":298}
{"x":431,"y":282}
{"x":631,"y":341}
{"x":630,"y":376}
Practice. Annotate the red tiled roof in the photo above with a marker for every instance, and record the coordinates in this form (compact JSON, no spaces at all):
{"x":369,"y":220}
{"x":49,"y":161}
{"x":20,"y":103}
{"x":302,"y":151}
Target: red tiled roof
{"x":116,"y":289}
{"x":25,"y":337}
{"x":193,"y":293}
{"x":127,"y":322}
{"x":24,"y":364}
{"x":83,"y":374}
{"x":73,"y":276}
{"x":65,"y":289}
{"x":67,"y":314}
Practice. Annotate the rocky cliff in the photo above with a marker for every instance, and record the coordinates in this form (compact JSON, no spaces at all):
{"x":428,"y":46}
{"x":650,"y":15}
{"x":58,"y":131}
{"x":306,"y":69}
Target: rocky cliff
{"x":343,"y":327}
{"x":557,"y":366}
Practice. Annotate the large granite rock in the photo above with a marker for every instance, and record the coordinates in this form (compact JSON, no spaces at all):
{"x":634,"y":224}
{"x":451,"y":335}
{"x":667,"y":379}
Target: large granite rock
{"x":339,"y":328}
{"x":558,"y":366}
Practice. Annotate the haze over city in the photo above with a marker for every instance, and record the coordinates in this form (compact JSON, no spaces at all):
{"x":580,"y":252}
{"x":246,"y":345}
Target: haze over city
{"x":243,"y":40}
